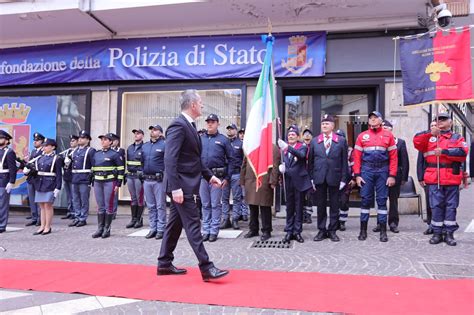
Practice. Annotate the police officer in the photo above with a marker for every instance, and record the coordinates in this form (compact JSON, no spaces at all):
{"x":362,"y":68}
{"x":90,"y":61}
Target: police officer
{"x":48,"y":181}
{"x":218,"y":156}
{"x":375,"y":168}
{"x":134,"y":180}
{"x":297,"y":183}
{"x":420,"y":174}
{"x":155,"y":191}
{"x":447,"y":150}
{"x":37,"y":151}
{"x":8,"y":171}
{"x":116,"y":147}
{"x":402,"y":177}
{"x":345,"y":193}
{"x":308,"y":201}
{"x":244,"y":208}
{"x":238,"y":153}
{"x":108,"y":168}
{"x":67,"y":175}
{"x":81,"y":178}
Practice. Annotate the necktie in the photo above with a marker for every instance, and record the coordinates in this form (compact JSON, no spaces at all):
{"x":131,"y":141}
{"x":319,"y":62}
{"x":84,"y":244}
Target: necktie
{"x":327,"y":144}
{"x":194,"y":125}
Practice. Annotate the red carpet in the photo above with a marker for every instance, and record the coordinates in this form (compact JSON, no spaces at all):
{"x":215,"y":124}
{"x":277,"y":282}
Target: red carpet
{"x":262,"y":289}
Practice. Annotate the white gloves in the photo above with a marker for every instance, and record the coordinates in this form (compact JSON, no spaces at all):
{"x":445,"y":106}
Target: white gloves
{"x":26,"y":170}
{"x":342,"y":185}
{"x":282,"y":168}
{"x":56,"y":193}
{"x":282,"y":144}
{"x":67,"y":161}
{"x":312,"y":184}
{"x":9,"y":187}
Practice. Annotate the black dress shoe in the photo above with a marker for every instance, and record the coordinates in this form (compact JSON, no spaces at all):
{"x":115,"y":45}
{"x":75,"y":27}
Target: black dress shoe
{"x":333,"y":236}
{"x":38,"y":223}
{"x":171,"y":270}
{"x":81,"y":223}
{"x":212,"y":238}
{"x":213,"y":273}
{"x":320,"y":236}
{"x":394,"y":229}
{"x":46,"y":233}
{"x":235,"y":225}
{"x":159,"y":235}
{"x":436,"y":239}
{"x":38,"y":232}
{"x":30,"y":223}
{"x":151,"y":234}
{"x":225,"y":224}
{"x":428,"y":231}
{"x":342,"y":226}
{"x":2,"y":230}
{"x":205,"y":237}
{"x":29,"y":217}
{"x":67,"y":216}
{"x":449,"y":239}
{"x":251,"y":234}
{"x":73,"y":223}
{"x":287,"y":239}
{"x":265,"y":236}
{"x":297,"y":237}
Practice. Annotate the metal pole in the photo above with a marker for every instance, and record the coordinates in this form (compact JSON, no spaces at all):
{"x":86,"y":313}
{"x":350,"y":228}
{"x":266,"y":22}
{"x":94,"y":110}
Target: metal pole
{"x":281,"y":152}
{"x":437,"y":144}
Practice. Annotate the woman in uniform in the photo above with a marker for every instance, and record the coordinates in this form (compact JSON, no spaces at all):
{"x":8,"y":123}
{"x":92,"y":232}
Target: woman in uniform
{"x":47,"y":183}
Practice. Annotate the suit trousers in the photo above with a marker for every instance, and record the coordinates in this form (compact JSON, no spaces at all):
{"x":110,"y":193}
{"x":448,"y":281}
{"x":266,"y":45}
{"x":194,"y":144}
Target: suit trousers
{"x":322,"y":192}
{"x":185,"y":215}
{"x":68,"y":189}
{"x":294,"y":208}
{"x":428,"y":207}
{"x":266,"y":216}
{"x":393,"y":194}
{"x":4,"y":207}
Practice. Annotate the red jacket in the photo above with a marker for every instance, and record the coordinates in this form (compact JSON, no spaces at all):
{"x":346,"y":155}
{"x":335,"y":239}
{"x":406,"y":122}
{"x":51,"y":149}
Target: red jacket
{"x":454,"y":150}
{"x":375,"y":148}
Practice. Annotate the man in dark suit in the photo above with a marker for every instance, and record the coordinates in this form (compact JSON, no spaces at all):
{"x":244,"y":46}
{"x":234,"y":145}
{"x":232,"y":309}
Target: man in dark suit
{"x":402,"y":178}
{"x":297,"y":183}
{"x":183,"y":172}
{"x":329,"y":171}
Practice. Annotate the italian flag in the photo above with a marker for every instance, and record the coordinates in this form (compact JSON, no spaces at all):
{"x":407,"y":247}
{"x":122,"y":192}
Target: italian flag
{"x":258,"y":141}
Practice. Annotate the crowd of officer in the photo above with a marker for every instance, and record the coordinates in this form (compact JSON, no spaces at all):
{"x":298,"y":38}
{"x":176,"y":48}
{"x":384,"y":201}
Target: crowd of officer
{"x":319,"y":170}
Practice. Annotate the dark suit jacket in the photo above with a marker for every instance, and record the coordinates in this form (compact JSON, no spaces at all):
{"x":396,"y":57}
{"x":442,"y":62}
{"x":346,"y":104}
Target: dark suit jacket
{"x":403,"y":162}
{"x":331,"y":168}
{"x":183,"y":167}
{"x":420,"y":166}
{"x":296,"y":167}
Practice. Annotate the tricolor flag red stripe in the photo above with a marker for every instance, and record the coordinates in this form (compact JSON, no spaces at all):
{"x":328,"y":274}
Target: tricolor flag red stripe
{"x":258,"y":141}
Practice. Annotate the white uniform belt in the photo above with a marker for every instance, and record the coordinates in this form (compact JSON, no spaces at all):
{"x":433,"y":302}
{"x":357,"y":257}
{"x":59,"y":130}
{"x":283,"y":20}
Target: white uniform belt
{"x":46,"y":174}
{"x":81,"y":171}
{"x":4,"y":171}
{"x":375,"y":148}
{"x":429,"y":153}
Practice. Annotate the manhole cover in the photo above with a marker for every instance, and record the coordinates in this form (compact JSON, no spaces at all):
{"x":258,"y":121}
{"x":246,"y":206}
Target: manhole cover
{"x":271,"y":244}
{"x":450,"y":270}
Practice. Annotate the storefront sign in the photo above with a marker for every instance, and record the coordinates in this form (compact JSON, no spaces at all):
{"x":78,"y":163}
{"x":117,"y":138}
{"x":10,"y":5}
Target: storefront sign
{"x":219,"y":57}
{"x":21,"y":117}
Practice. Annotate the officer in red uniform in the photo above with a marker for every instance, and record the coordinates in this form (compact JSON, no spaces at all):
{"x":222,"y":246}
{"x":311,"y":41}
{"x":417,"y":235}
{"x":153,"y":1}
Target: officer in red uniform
{"x":375,"y":167}
{"x":451,"y":149}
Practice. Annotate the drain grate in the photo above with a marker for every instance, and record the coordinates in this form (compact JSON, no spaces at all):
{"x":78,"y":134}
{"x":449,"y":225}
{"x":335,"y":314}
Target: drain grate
{"x":271,"y":244}
{"x":449,"y":271}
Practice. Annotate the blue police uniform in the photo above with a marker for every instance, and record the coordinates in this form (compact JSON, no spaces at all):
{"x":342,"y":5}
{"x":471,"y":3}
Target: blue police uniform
{"x":238,"y":153}
{"x":121,"y":152}
{"x":135,"y":183}
{"x":67,"y":178}
{"x":108,"y":168}
{"x":48,"y":177}
{"x":8,"y":171}
{"x":81,"y":181}
{"x":217,"y":155}
{"x":35,"y":211}
{"x":153,"y":154}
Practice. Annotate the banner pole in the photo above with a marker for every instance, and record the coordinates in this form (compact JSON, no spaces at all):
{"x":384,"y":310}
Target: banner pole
{"x":437,"y":144}
{"x":281,"y":152}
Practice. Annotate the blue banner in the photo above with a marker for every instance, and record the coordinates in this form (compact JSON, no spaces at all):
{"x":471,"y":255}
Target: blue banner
{"x":219,"y":57}
{"x":21,"y":117}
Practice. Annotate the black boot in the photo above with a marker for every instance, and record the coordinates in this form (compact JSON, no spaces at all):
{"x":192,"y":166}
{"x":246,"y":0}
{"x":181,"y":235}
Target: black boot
{"x":342,"y":225}
{"x":139,"y":221}
{"x":449,"y":239}
{"x":132,"y":222}
{"x":383,"y":232}
{"x":363,"y":231}
{"x":376,"y":229}
{"x":436,"y":239}
{"x":100,"y":224}
{"x":235,"y":224}
{"x":225,"y":223}
{"x":108,"y":222}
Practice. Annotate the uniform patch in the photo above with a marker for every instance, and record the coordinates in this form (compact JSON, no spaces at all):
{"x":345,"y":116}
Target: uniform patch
{"x":433,"y":139}
{"x":158,"y":150}
{"x":366,"y":136}
{"x":106,"y":159}
{"x":218,"y":142}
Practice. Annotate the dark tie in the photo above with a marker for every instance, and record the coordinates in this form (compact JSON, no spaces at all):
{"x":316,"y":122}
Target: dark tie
{"x":194,"y":125}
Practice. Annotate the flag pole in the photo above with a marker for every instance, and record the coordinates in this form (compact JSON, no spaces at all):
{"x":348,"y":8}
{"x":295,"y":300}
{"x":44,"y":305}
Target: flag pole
{"x":437,"y":144}
{"x":279,"y":127}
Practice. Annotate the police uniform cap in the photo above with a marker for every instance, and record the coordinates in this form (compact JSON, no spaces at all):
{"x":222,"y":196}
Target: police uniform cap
{"x":73,"y":137}
{"x":443,"y":116}
{"x":232,"y":126}
{"x":293,"y":128}
{"x":242,"y":130}
{"x":327,"y":117}
{"x":307,"y":131}
{"x":138,"y":130}
{"x":5,"y":135}
{"x":341,"y":133}
{"x":387,"y":123}
{"x":49,"y":141}
{"x":212,"y":117}
{"x":376,"y":113}
{"x":114,"y":136}
{"x":109,"y":136}
{"x":38,"y":137}
{"x":84,"y":134}
{"x":157,"y":127}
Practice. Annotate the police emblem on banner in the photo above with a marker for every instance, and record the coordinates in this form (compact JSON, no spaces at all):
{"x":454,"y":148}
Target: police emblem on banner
{"x":297,"y":55}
